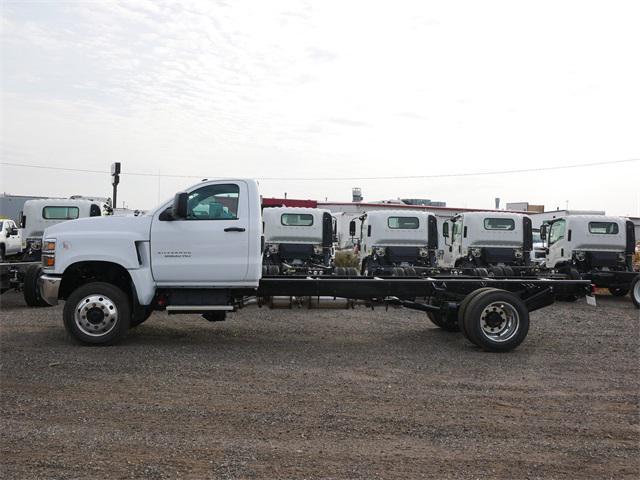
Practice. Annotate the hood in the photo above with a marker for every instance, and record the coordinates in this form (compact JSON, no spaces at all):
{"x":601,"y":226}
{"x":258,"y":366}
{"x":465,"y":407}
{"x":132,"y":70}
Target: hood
{"x":130,"y":226}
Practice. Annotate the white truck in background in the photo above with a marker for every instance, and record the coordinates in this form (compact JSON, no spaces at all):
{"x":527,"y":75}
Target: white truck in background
{"x":22,"y":269}
{"x":594,"y":247}
{"x":500,"y":242}
{"x":298,"y":241}
{"x":37,"y":215}
{"x":10,"y":239}
{"x":397,"y":242}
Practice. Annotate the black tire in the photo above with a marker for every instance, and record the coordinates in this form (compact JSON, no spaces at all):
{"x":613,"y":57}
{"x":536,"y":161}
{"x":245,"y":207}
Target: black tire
{"x":273,"y":270}
{"x":508,"y":271}
{"x":397,"y":272}
{"x":2,"y":253}
{"x":353,"y":272}
{"x":116,"y":323}
{"x":410,"y":272}
{"x":496,"y":271}
{"x":618,"y":291}
{"x":140,"y":314}
{"x":635,"y":291}
{"x":30,"y":290}
{"x":440,"y":320}
{"x":340,"y":271}
{"x":514,"y":329}
{"x":463,"y":307}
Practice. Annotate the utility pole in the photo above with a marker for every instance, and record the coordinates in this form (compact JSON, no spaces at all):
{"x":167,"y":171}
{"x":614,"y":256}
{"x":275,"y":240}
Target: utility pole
{"x":115,"y":180}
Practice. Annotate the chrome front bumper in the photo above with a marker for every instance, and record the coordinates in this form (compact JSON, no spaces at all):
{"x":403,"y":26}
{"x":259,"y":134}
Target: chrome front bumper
{"x":49,"y":286}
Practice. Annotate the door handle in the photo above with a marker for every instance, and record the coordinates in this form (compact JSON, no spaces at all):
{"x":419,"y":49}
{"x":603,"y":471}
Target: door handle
{"x":234,"y":229}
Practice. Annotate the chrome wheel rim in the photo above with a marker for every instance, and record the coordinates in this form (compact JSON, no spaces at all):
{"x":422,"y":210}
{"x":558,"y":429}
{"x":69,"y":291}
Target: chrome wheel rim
{"x":499,"y":321}
{"x":96,"y":315}
{"x":636,"y":291}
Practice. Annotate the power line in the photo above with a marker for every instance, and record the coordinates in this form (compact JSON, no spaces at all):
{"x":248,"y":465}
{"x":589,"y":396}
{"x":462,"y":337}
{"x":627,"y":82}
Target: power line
{"x":399,"y":177}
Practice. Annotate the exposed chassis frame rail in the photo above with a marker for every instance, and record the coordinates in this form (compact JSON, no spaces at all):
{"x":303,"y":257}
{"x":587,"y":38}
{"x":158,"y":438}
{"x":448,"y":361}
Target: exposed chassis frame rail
{"x":535,"y":292}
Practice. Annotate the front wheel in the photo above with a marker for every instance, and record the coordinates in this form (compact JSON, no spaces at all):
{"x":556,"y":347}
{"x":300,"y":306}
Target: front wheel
{"x":30,"y":290}
{"x":496,"y":320}
{"x":97,"y":313}
{"x":635,"y":291}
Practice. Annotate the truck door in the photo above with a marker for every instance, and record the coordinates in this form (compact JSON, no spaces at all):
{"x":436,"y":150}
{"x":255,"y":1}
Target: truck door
{"x":558,"y":248}
{"x":208,"y":247}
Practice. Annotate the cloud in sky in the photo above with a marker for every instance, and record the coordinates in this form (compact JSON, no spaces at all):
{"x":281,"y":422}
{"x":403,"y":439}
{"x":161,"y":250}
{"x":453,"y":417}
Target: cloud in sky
{"x":302,"y":89}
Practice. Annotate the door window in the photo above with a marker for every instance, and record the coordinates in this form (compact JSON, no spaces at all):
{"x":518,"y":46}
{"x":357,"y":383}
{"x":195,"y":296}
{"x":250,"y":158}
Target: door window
{"x":214,"y":202}
{"x":557,"y":231}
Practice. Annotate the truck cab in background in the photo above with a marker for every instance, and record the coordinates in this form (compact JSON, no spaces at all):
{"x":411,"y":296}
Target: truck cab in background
{"x":10,"y":239}
{"x":593,"y":247}
{"x":397,"y":242}
{"x":494,"y":240}
{"x":298,"y":241}
{"x":37,"y":215}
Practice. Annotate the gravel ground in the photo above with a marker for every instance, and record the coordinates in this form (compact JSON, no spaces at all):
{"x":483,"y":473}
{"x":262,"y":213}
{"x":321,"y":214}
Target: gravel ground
{"x":322,"y":394}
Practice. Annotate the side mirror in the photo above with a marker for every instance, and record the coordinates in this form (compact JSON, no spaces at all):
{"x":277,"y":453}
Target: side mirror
{"x":180,"y":205}
{"x":445,"y":229}
{"x":543,"y":232}
{"x":352,"y":228}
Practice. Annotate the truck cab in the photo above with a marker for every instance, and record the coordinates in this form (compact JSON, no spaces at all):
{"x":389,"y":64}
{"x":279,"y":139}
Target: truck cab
{"x":487,"y":239}
{"x":588,"y":243}
{"x":297,"y":240}
{"x":10,"y":239}
{"x":397,"y":242}
{"x":38,"y":215}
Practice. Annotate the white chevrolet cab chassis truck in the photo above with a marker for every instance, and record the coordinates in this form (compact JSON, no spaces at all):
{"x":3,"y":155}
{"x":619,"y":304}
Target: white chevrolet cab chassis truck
{"x":595,"y":248}
{"x":397,"y":242}
{"x":499,"y":242}
{"x":298,"y":241}
{"x":201,"y":253}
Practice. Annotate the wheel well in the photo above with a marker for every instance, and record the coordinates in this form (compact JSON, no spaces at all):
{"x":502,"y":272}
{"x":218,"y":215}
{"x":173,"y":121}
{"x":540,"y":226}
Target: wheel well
{"x":84,"y":272}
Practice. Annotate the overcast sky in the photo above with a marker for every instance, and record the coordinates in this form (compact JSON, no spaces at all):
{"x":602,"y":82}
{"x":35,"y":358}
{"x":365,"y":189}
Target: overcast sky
{"x":325,"y":89}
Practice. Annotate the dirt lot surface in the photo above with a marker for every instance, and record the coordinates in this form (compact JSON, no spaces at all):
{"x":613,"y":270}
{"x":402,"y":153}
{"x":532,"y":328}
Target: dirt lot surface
{"x":322,"y":394}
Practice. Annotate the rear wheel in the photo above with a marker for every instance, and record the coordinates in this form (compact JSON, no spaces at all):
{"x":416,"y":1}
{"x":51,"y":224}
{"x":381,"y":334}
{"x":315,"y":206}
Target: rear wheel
{"x":496,"y":321}
{"x":618,"y":291}
{"x":30,"y":290}
{"x":97,"y":313}
{"x":635,"y":291}
{"x":463,"y":307}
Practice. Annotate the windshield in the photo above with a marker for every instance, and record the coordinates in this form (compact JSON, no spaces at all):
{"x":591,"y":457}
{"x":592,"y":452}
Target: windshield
{"x":537,"y":238}
{"x":557,"y":231}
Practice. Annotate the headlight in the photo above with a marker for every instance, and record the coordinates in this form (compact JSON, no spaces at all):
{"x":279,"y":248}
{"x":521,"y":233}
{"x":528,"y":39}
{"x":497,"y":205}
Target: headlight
{"x":380,"y":251}
{"x":476,"y":252}
{"x":423,"y":252}
{"x":517,"y":253}
{"x":317,"y":249}
{"x":272,"y":248}
{"x":580,"y":256}
{"x":49,"y":254}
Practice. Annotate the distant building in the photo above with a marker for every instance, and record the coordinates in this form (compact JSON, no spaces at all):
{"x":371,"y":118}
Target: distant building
{"x":525,"y":207}
{"x":424,"y":202}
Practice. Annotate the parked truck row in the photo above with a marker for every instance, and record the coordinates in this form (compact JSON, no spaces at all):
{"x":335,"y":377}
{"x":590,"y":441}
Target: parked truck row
{"x":411,"y":243}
